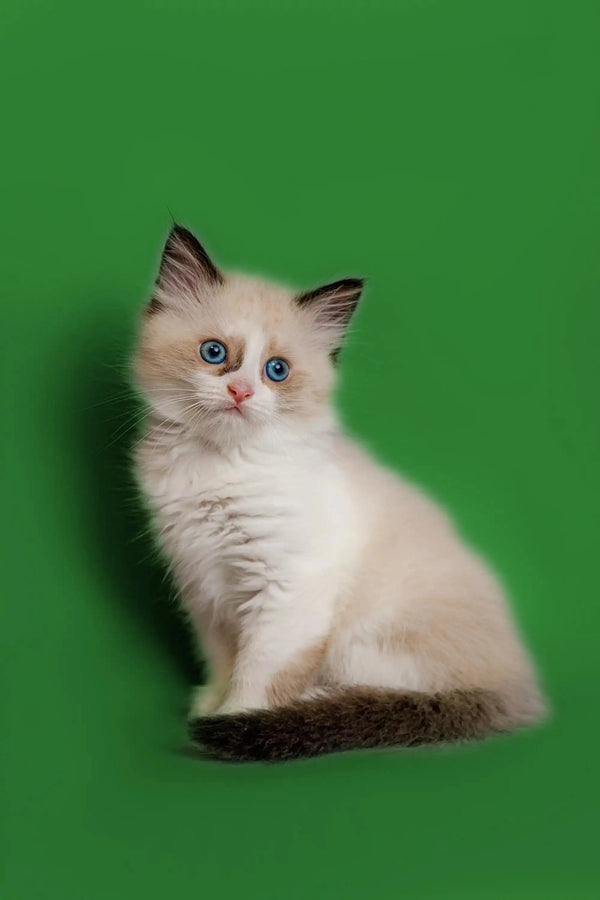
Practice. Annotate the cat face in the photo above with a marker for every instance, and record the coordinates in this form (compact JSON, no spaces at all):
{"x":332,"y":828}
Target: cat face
{"x":226,"y":354}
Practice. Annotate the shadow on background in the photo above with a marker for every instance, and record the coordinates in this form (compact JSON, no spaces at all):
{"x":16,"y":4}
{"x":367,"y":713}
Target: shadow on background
{"x":107,"y":412}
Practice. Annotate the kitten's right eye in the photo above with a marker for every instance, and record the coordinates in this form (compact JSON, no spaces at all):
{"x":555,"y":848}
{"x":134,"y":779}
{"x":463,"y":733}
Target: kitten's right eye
{"x":213,"y":352}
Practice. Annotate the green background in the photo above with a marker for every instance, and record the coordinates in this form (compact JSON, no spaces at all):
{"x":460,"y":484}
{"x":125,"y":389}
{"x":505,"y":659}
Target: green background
{"x":448,"y":150}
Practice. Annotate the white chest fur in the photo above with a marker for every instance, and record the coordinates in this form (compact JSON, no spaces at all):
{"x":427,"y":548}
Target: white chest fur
{"x":258,"y":519}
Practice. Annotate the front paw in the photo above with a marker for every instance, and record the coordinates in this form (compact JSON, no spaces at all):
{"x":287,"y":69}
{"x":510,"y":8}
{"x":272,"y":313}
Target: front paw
{"x":205,"y":700}
{"x":231,"y":706}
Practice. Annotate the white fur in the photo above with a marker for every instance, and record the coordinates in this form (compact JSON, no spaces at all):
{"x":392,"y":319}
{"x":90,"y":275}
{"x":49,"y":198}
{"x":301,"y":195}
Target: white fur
{"x":263,"y":534}
{"x":280,"y":529}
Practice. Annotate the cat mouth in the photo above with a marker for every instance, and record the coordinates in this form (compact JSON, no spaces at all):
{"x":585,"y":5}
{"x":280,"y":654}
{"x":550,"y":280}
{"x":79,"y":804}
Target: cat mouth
{"x":232,"y":411}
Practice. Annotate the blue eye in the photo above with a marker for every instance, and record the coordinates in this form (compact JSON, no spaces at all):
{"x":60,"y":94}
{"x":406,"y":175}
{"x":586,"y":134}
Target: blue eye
{"x":277,"y":369}
{"x":213,"y":352}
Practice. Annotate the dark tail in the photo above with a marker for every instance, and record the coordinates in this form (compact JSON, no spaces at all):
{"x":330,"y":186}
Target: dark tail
{"x":355,"y":718}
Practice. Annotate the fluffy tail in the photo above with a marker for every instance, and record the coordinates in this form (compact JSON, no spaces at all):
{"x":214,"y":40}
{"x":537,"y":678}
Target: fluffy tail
{"x":355,"y":718}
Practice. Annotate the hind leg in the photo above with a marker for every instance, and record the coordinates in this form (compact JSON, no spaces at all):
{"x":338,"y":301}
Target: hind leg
{"x":381,"y":654}
{"x":369,"y":666}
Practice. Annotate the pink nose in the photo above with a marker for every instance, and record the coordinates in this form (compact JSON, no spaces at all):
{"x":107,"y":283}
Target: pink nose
{"x":240,"y":391}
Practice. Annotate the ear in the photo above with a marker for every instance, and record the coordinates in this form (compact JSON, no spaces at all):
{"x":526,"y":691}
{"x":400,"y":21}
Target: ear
{"x":333,"y":306}
{"x":184,"y":267}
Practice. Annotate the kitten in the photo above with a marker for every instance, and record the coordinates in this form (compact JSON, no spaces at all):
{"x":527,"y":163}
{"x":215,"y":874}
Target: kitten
{"x":335,"y":603}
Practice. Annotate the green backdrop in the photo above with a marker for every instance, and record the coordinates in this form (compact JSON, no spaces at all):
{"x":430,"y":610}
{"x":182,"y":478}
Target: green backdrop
{"x":448,"y":150}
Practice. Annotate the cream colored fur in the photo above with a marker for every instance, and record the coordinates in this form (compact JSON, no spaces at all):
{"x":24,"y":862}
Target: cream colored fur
{"x":302,"y":563}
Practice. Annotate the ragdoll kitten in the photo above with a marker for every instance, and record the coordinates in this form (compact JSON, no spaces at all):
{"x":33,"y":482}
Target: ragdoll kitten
{"x":335,"y":603}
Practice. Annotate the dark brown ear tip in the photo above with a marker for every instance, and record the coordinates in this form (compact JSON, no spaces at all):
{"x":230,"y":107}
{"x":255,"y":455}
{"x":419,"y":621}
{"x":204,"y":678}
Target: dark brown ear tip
{"x":351,"y":285}
{"x":181,"y":233}
{"x":360,"y":284}
{"x":181,"y":242}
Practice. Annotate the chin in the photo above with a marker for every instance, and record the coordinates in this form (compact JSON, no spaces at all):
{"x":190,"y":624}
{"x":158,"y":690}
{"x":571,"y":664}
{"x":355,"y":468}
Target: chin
{"x":225,"y":427}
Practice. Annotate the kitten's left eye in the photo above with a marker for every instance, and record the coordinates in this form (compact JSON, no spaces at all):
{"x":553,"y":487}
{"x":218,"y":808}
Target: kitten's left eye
{"x":277,"y":369}
{"x":213,"y":352}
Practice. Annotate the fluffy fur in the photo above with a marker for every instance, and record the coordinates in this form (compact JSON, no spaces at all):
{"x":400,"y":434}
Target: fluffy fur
{"x":335,"y":603}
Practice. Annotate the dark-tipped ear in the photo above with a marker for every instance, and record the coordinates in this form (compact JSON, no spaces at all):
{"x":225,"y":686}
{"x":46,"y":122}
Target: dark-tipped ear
{"x":333,"y":306}
{"x":185,"y":265}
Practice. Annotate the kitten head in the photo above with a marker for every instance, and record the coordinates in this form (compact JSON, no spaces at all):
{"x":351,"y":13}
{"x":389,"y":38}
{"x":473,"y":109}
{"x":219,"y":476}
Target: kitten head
{"x":228,"y":354}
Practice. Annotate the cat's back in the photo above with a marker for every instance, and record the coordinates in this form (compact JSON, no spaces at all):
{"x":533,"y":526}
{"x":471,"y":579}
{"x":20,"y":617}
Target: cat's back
{"x":385,"y":495}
